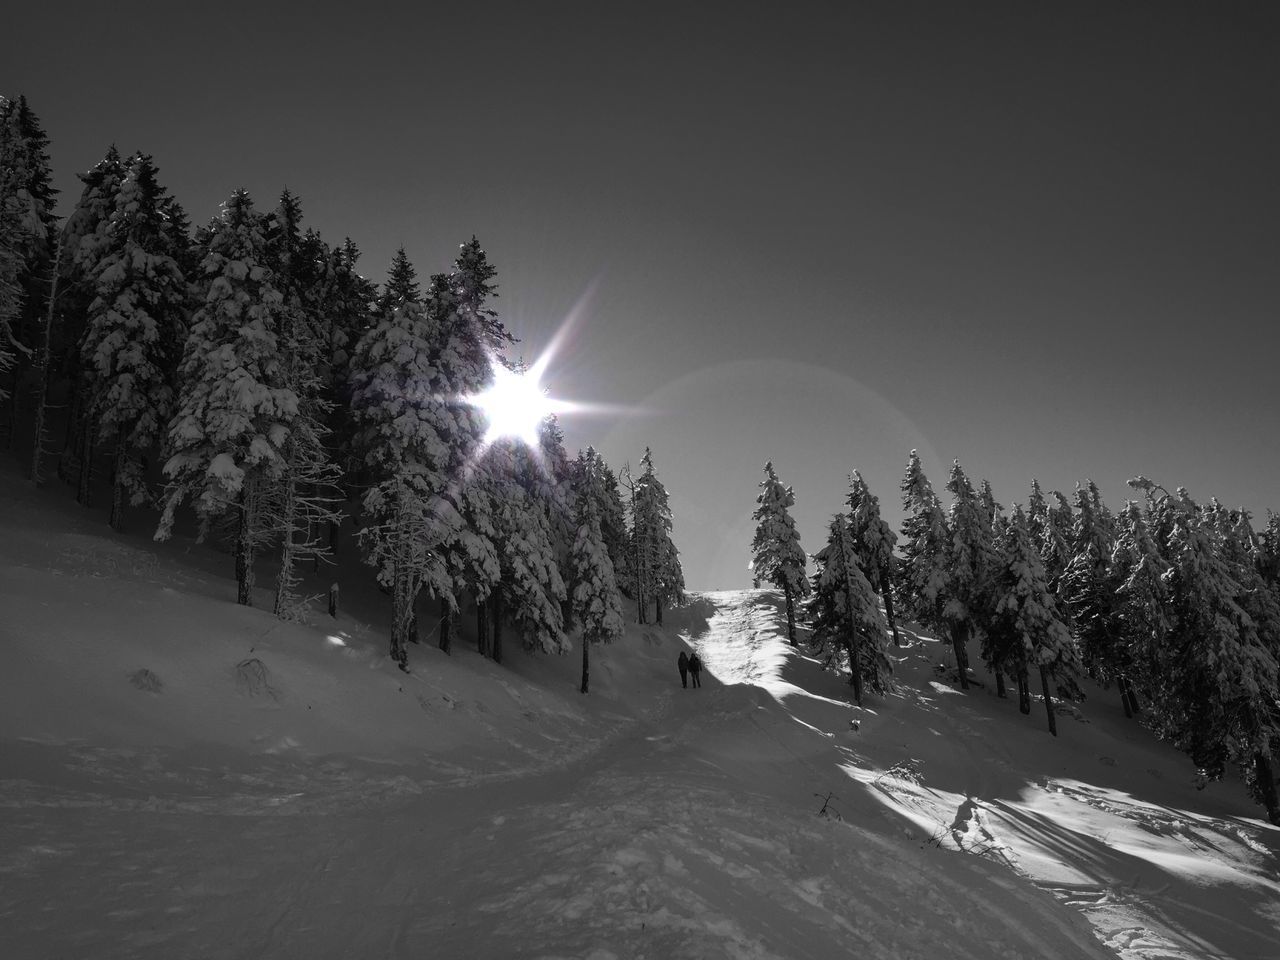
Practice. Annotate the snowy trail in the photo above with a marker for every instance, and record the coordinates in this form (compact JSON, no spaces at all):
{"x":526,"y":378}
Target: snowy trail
{"x":692,"y":833}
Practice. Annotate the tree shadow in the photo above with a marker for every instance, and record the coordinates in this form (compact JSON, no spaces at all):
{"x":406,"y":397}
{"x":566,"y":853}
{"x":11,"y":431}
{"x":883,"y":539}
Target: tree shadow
{"x":692,"y":618}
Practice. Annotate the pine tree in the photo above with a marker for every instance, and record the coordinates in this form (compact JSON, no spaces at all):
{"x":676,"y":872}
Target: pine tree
{"x":177,"y":226}
{"x":555,"y":485}
{"x":971,"y":561}
{"x":1027,"y":615}
{"x":348,"y":304}
{"x":235,"y":408}
{"x":85,"y":241}
{"x":306,"y":496}
{"x":1215,"y":675}
{"x":509,"y":558}
{"x":596,"y":604}
{"x":844,"y":613}
{"x":1049,"y":525}
{"x":775,"y":550}
{"x":26,"y":188}
{"x":472,"y":285}
{"x":1091,"y":586}
{"x":923,"y":571}
{"x":38,"y":171}
{"x":875,"y":542}
{"x":402,"y":283}
{"x":435,"y":517}
{"x":659,"y":577}
{"x":135,"y":332}
{"x":670,"y":586}
{"x":417,"y":441}
{"x":395,"y":408}
{"x":1268,"y":556}
{"x":1245,"y":555}
{"x":12,"y":265}
{"x":27,"y":232}
{"x":531,"y":589}
{"x":1142,"y":599}
{"x":613,"y":526}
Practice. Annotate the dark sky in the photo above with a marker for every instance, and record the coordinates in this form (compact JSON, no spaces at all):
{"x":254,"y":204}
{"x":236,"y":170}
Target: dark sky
{"x":1043,"y":241}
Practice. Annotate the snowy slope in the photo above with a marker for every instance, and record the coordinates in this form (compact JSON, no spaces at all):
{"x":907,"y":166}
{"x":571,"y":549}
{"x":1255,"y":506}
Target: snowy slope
{"x":322,"y":804}
{"x":1113,"y":823}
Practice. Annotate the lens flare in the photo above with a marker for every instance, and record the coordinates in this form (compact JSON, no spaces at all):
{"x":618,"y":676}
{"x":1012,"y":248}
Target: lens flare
{"x":516,"y":403}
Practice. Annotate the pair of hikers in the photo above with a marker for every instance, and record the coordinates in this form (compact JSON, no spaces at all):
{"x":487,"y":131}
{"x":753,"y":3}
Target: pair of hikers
{"x":690,"y":668}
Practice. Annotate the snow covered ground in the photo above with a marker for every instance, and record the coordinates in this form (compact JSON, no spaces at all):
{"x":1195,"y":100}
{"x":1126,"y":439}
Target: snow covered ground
{"x":182,"y":777}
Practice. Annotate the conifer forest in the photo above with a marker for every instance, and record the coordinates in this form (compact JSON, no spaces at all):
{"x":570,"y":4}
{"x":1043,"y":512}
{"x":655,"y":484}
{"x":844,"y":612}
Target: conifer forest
{"x":284,"y":531}
{"x":244,"y":378}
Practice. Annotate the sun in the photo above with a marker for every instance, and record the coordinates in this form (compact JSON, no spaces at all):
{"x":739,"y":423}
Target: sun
{"x":515,"y":404}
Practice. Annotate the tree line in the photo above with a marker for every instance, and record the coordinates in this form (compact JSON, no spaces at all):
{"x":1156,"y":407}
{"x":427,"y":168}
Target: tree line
{"x":1172,"y":602}
{"x":245,"y":375}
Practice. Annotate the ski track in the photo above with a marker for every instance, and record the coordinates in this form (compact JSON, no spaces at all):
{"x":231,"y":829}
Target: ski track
{"x":690,"y":833}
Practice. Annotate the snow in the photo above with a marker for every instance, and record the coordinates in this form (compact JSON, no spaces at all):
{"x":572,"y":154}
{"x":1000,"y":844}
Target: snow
{"x":278,"y":789}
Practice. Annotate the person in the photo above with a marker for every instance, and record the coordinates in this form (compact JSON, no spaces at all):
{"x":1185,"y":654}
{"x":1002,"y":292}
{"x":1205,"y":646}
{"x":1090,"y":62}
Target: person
{"x":695,"y":670}
{"x":683,"y":664}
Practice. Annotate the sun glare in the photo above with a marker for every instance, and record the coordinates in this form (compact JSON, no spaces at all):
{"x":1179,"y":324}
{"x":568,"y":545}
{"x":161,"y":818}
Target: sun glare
{"x":515,"y":404}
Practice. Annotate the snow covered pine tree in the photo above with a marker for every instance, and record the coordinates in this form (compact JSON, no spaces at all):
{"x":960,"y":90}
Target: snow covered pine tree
{"x":844,"y":613}
{"x":875,"y":541}
{"x":776,"y":554}
{"x":923,"y":572}
{"x":1026,"y":613}
{"x":235,"y":408}
{"x":135,"y":330}
{"x":596,"y":604}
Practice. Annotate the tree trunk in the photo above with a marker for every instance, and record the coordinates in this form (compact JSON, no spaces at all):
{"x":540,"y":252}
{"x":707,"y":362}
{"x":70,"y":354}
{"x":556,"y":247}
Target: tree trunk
{"x":855,"y":669}
{"x":1000,"y":690}
{"x":67,"y":463}
{"x":244,"y":548}
{"x":11,"y":410}
{"x":1267,"y":786}
{"x":43,"y":360}
{"x":1133,"y":698}
{"x":640,"y":604}
{"x":1048,"y":701}
{"x":959,"y":637}
{"x":657,"y":610}
{"x":482,"y":627}
{"x":791,"y":613}
{"x":886,"y":592}
{"x":333,"y":600}
{"x":401,"y":614}
{"x":446,"y":626}
{"x":586,"y":672}
{"x":1124,"y":697}
{"x":289,"y":513}
{"x":84,"y":482}
{"x":496,"y":604}
{"x":116,"y":519}
{"x":1024,"y":692}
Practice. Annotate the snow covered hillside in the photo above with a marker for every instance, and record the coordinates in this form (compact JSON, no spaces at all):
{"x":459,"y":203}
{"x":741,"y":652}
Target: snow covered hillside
{"x":184,"y":777}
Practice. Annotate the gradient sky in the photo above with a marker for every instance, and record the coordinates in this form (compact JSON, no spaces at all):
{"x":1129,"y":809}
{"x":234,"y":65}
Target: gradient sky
{"x":1046,"y":242}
